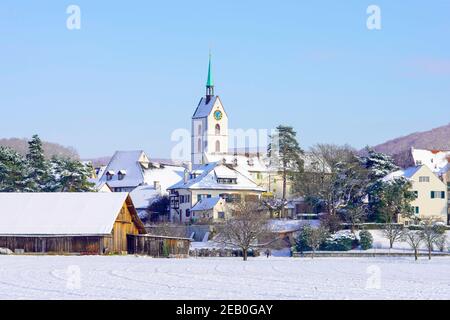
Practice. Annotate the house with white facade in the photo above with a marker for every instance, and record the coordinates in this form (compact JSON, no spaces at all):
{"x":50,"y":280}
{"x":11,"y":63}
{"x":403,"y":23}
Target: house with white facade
{"x":206,"y":182}
{"x":431,"y":192}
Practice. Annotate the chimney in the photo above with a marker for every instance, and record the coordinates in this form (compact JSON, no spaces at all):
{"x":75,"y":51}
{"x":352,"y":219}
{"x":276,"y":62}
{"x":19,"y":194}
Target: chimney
{"x":186,"y":175}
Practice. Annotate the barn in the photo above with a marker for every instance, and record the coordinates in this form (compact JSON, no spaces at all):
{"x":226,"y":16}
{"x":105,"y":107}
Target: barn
{"x":68,"y":223}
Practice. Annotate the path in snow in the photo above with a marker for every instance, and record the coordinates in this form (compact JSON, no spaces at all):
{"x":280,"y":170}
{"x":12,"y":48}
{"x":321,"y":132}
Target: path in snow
{"x":129,"y":277}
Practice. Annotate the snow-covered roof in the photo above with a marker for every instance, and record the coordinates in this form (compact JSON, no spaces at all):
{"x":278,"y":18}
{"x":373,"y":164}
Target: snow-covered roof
{"x":206,"y":204}
{"x":143,"y":196}
{"x":436,"y":160}
{"x":223,"y":172}
{"x":128,"y":161}
{"x":59,"y":213}
{"x":240,"y":162}
{"x":204,"y":107}
{"x":405,"y":173}
{"x":286,"y":226}
{"x":166,"y":176}
{"x":208,"y":180}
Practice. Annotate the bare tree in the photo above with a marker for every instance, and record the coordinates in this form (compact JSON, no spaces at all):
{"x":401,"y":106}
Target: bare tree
{"x":355,"y":215}
{"x":414,"y":239}
{"x":247,"y":226}
{"x":431,"y":234}
{"x":316,"y":236}
{"x":393,"y":232}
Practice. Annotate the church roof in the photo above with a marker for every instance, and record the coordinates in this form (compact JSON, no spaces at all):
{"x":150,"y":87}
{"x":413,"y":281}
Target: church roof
{"x":204,"y":107}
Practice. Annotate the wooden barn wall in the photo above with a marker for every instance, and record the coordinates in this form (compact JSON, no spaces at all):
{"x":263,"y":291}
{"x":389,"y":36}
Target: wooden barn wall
{"x":157,"y":246}
{"x":123,"y":226}
{"x":79,"y":244}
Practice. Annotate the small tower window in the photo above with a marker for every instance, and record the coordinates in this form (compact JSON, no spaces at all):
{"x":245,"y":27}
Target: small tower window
{"x":217,"y":146}
{"x":217,"y":129}
{"x":199,"y":145}
{"x":200,"y":130}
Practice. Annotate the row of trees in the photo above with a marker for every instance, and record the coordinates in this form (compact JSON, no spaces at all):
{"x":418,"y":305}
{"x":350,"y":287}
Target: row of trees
{"x":35,"y":173}
{"x":339,"y":181}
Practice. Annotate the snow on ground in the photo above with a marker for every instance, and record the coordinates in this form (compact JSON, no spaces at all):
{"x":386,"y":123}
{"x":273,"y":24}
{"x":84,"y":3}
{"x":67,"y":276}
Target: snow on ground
{"x":130,"y":277}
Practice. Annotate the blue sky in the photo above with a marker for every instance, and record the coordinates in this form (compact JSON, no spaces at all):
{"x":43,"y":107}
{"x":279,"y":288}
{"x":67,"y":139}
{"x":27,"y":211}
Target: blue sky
{"x":136,"y":70}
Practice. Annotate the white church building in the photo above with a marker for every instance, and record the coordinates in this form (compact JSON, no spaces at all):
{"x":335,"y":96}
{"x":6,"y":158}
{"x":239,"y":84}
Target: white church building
{"x":214,"y":173}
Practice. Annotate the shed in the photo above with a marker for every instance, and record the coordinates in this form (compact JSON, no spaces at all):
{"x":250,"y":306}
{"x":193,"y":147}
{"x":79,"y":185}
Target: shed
{"x":68,"y":223}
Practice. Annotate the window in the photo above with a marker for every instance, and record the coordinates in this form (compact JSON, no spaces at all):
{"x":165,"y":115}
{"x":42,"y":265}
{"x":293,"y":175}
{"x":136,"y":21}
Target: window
{"x":448,"y":186}
{"x":221,"y":215}
{"x":199,"y":130}
{"x":217,"y":129}
{"x":217,"y":146}
{"x":227,"y":180}
{"x":188,"y":213}
{"x":203,"y":196}
{"x":199,"y":145}
{"x":416,"y":193}
{"x":121,"y":174}
{"x":424,"y":179}
{"x":416,"y":210}
{"x":437,"y":194}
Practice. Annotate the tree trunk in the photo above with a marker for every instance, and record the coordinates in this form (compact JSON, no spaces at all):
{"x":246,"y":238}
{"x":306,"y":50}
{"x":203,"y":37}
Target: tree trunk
{"x":312,"y":255}
{"x":429,"y":253}
{"x":391,"y":242}
{"x":415,"y":254}
{"x":244,"y":254}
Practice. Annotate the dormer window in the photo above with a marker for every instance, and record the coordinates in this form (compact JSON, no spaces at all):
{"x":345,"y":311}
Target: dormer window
{"x":250,"y":162}
{"x":109,"y":175}
{"x":235,"y":162}
{"x":227,"y":180}
{"x":121,"y":174}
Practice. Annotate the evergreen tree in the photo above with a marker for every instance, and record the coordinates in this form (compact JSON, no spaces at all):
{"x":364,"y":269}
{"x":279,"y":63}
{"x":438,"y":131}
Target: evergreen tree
{"x":395,"y":199}
{"x":285,"y":154}
{"x":379,"y":165}
{"x":70,"y":176}
{"x":40,"y":172}
{"x":13,"y":172}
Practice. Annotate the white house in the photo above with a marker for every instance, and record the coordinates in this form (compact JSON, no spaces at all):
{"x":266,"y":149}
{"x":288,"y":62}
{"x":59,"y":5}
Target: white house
{"x":209,"y":181}
{"x":431,"y":201}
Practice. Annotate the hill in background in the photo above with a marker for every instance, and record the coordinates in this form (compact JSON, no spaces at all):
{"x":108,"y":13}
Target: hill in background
{"x":50,"y":149}
{"x":399,"y":148}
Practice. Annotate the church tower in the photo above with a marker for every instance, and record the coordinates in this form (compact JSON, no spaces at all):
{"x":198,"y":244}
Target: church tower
{"x":209,"y":132}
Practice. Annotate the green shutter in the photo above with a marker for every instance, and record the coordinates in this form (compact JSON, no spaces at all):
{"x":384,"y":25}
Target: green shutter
{"x":432,"y":195}
{"x":443,"y":194}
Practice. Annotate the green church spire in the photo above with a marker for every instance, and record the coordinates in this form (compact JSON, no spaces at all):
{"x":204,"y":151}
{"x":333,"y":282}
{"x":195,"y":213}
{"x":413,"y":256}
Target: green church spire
{"x":209,"y":81}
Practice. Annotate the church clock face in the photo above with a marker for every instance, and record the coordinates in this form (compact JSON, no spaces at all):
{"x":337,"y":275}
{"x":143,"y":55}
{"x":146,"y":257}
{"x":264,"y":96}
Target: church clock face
{"x":218,"y":115}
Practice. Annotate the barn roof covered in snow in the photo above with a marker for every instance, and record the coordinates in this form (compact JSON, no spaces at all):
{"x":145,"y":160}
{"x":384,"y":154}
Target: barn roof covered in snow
{"x":62,"y":213}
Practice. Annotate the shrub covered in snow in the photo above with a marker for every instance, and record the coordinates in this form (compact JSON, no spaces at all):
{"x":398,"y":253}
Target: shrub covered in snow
{"x":365,"y":239}
{"x":343,"y":240}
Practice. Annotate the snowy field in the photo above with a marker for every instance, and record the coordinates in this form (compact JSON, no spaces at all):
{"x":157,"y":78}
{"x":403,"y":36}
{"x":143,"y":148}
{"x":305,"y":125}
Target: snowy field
{"x":129,"y":277}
